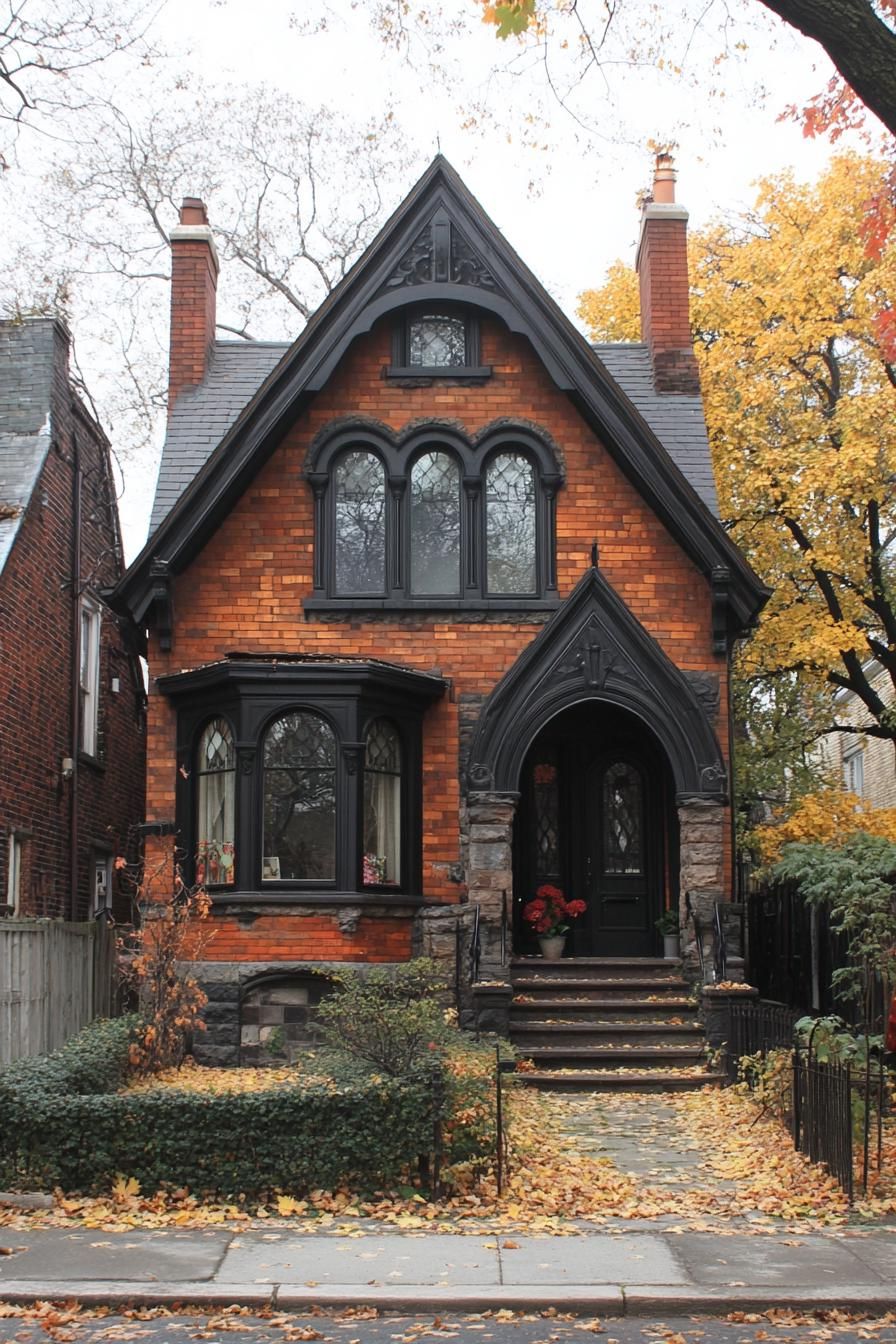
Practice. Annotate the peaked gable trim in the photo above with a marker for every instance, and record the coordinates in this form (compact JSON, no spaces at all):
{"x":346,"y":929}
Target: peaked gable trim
{"x":595,"y":649}
{"x":492,"y":277}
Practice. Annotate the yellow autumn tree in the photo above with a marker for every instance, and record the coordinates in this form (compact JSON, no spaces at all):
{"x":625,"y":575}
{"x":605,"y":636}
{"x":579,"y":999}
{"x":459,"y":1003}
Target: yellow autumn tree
{"x":792,"y":310}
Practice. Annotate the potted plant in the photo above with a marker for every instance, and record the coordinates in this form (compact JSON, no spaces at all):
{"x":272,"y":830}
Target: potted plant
{"x":548,"y":914}
{"x":669,"y":926}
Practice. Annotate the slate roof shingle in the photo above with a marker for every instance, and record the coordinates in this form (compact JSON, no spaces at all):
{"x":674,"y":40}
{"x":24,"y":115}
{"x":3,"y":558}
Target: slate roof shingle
{"x":27,"y":353}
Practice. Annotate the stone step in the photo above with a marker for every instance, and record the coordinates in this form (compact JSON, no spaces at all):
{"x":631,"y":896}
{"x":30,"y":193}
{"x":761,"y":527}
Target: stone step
{"x":593,"y":1057}
{"x":596,"y":968}
{"x":600,"y":1080}
{"x":526,"y":1035}
{"x":673,"y":985}
{"x":594,"y":1008}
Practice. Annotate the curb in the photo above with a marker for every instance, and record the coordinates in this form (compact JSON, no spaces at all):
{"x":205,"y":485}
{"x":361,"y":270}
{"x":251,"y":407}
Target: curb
{"x":608,"y":1299}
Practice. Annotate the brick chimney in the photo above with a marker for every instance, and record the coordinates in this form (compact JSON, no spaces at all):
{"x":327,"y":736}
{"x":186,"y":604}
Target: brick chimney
{"x":662,"y":266}
{"x":194,"y":281}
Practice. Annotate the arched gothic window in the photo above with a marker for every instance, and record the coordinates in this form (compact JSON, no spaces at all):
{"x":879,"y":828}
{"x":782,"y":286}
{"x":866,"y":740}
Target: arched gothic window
{"x":299,"y":799}
{"x":435,"y":525}
{"x":382,"y":805}
{"x":360,"y":524}
{"x":216,"y":793}
{"x":510,"y":525}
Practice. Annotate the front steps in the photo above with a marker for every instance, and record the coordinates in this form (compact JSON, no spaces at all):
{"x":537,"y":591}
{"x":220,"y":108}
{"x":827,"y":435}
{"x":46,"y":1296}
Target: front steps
{"x":607,"y":1024}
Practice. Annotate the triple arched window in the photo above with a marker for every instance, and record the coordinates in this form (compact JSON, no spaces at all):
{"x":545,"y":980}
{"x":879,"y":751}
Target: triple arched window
{"x":435,"y":521}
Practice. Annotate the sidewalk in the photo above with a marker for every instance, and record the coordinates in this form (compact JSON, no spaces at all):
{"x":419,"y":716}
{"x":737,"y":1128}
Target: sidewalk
{"x":613,"y":1272}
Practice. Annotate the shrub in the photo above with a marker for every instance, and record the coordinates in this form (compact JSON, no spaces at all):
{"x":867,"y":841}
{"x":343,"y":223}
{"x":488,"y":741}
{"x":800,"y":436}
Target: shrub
{"x":94,"y":1061}
{"x":291,"y":1138}
{"x":389,"y":1017}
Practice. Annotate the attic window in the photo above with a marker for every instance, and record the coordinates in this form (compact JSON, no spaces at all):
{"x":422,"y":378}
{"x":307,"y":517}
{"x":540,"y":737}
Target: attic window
{"x":436,"y":343}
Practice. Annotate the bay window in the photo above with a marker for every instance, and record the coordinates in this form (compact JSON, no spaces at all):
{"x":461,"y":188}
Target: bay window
{"x":299,"y":779}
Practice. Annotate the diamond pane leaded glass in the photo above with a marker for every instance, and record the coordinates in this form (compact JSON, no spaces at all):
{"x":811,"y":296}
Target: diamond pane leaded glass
{"x":436,"y":341}
{"x":435,"y":525}
{"x":546,"y":820}
{"x":382,"y":806}
{"x":215,"y":805}
{"x":299,"y":799}
{"x":510,"y":524}
{"x":360,"y":505}
{"x":623,"y":812}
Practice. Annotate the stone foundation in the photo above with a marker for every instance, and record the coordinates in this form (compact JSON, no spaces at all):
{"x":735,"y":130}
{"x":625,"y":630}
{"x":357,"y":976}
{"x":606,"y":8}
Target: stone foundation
{"x":490,"y":876}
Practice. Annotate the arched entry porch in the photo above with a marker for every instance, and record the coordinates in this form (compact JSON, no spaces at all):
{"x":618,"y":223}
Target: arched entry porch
{"x":594,"y":659}
{"x":597,"y":818}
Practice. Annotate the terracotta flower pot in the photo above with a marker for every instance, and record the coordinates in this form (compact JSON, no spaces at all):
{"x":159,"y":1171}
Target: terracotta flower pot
{"x":552,"y":947}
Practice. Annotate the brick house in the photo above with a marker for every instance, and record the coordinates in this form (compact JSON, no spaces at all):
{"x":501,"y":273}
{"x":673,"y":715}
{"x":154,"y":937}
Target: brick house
{"x":72,"y":700}
{"x":439,"y":608}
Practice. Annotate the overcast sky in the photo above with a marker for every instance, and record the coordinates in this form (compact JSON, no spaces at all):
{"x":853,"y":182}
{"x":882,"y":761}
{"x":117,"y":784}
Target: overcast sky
{"x":568,"y":206}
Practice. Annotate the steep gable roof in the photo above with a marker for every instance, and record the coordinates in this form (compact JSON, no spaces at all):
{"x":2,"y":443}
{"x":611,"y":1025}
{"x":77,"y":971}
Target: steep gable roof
{"x":416,"y":257}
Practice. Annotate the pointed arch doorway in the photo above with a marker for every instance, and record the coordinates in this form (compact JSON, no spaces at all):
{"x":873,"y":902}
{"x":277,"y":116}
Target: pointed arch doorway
{"x":597,"y":818}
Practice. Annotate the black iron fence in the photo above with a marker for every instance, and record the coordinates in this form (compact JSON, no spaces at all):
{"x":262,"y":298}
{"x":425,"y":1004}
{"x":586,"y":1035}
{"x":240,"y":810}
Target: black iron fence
{"x":835,"y":1107}
{"x":822,"y":1115}
{"x":755,"y":1029}
{"x":793,"y":954}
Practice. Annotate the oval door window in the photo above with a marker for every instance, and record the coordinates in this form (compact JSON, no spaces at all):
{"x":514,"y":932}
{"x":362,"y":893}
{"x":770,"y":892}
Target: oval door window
{"x":623,"y":809}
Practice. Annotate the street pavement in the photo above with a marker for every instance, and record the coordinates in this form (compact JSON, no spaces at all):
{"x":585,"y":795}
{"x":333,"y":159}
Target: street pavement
{"x":618,"y":1273}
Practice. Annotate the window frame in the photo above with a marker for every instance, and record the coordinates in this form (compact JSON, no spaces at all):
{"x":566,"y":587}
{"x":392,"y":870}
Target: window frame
{"x":399,"y":454}
{"x":89,"y":688}
{"x":197,"y":774}
{"x":401,"y":366}
{"x":253,"y":695}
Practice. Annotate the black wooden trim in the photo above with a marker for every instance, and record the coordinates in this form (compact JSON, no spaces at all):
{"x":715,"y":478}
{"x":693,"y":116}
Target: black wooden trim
{"x":354,"y":306}
{"x":251,"y":694}
{"x":594,"y":648}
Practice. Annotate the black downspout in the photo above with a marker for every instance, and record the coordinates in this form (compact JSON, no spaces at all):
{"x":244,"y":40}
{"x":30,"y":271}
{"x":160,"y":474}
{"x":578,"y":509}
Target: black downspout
{"x":77,"y":481}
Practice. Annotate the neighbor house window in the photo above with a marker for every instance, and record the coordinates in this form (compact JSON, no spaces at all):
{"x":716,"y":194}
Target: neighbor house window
{"x":102,"y":883}
{"x":14,"y":872}
{"x":382,"y":805}
{"x":89,"y":677}
{"x":215,"y":804}
{"x":854,"y":772}
{"x":299,"y":800}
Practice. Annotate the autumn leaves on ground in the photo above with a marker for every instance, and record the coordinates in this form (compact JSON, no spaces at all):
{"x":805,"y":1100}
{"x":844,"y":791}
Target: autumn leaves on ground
{"x":741,"y":1172}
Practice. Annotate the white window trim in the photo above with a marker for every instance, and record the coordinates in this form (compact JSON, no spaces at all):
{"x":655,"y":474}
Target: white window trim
{"x":14,"y":872}
{"x":89,"y":676}
{"x":853,"y":766}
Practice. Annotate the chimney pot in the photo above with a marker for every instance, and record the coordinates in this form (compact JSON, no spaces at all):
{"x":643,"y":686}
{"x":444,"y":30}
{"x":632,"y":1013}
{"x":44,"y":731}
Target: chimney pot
{"x":193,"y":211}
{"x":664,"y":176}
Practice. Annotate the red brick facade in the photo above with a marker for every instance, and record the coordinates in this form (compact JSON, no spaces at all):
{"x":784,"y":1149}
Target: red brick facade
{"x":245,"y":590}
{"x":43,"y":808}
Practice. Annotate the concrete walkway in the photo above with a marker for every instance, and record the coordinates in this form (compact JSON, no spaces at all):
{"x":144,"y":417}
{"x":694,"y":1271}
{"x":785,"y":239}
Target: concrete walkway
{"x":617,"y":1273}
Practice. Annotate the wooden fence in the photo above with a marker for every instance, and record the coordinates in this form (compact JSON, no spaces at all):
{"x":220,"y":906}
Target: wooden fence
{"x":54,"y":979}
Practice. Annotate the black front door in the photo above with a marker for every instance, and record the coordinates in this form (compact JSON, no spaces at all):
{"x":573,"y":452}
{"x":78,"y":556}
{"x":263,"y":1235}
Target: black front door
{"x":592,"y":820}
{"x":618,"y":843}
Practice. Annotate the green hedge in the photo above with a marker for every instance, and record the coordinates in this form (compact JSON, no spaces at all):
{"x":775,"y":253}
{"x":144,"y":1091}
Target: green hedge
{"x":64,"y":1125}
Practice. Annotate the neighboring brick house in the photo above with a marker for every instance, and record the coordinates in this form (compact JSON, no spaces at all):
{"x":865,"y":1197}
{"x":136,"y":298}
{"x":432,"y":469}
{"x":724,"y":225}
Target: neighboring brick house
{"x":862,"y":764}
{"x":439,"y":608}
{"x":72,"y":700}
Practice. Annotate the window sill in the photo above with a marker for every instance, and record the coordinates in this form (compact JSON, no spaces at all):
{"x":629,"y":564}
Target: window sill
{"x":222,"y":898}
{"x":417,"y":374}
{"x":96,"y":763}
{"x":470,"y":604}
